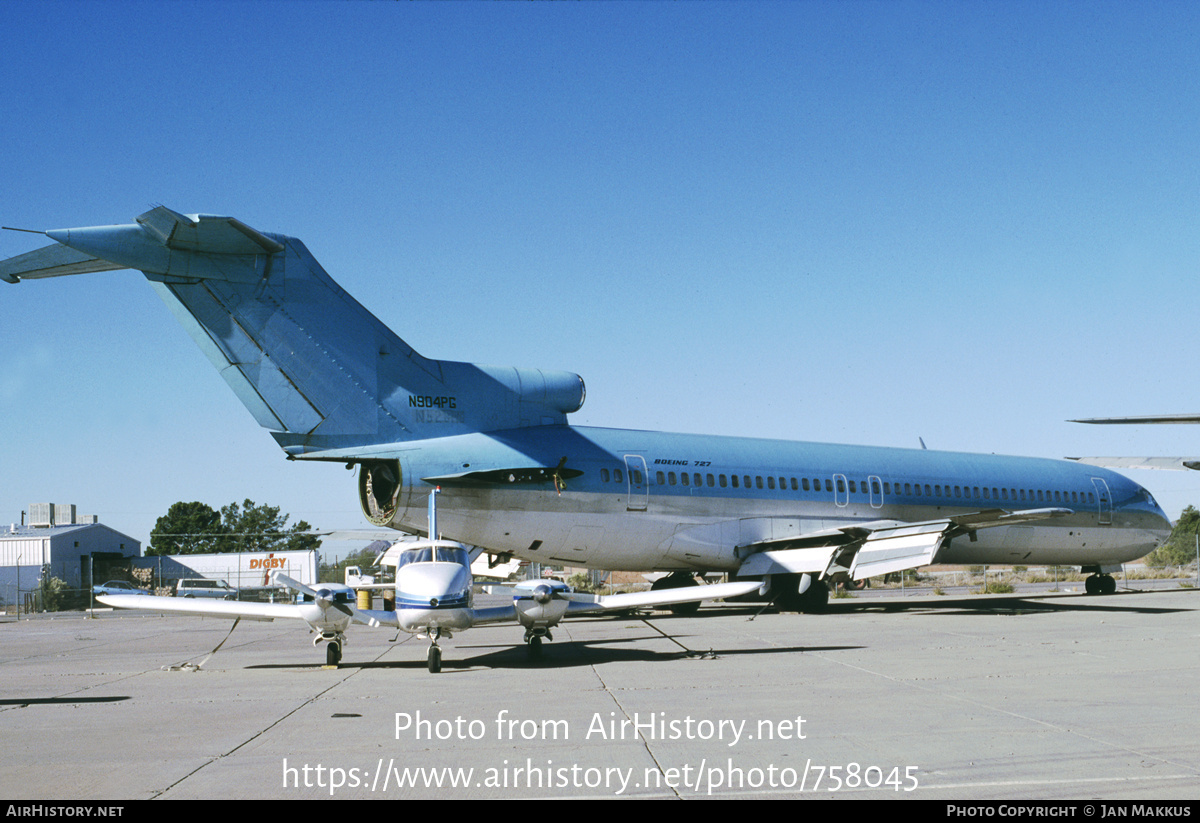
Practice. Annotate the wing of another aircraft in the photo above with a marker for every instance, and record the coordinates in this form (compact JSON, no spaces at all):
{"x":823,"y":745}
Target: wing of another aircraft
{"x":1150,"y":418}
{"x":1173,"y":463}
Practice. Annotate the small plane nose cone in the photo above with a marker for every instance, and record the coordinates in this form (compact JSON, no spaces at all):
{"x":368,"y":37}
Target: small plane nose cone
{"x":433,"y":602}
{"x":542,"y":594}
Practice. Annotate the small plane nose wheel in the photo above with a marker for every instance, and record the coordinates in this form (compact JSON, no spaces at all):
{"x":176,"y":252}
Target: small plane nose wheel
{"x":333,"y":653}
{"x":535,"y":647}
{"x":435,"y":659}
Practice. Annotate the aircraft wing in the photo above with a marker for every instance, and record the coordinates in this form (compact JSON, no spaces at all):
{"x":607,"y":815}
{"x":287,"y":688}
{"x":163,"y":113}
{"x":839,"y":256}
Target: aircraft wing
{"x":1150,"y":418}
{"x":210,"y":608}
{"x":586,"y":604}
{"x":880,"y":547}
{"x":1176,"y":463}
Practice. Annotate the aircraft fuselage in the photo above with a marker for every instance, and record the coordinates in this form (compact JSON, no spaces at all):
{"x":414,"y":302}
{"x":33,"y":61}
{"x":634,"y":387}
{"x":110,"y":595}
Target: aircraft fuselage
{"x":648,"y":500}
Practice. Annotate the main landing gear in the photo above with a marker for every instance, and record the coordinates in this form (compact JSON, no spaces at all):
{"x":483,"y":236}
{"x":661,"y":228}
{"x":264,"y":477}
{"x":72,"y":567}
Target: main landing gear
{"x":1100,"y":584}
{"x":678,"y":580}
{"x":800,"y":593}
{"x":333,"y":648}
{"x":434,"y":659}
{"x":533,"y":641}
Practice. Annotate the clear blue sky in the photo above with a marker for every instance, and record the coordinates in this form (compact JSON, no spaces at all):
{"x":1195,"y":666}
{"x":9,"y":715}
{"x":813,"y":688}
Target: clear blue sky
{"x":847,"y":222}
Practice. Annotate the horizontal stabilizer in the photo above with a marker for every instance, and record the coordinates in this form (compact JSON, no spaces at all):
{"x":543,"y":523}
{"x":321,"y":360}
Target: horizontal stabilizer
{"x":52,"y":261}
{"x":206,"y":233}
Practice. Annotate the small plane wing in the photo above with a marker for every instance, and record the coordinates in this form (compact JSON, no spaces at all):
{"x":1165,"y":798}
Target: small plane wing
{"x":866,"y":550}
{"x":210,"y":608}
{"x":586,"y":603}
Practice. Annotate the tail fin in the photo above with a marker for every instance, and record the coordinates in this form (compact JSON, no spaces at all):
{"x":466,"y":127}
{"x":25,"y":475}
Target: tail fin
{"x":309,"y":362}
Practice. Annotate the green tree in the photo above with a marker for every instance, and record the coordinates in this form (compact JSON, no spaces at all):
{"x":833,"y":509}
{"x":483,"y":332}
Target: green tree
{"x":187,"y":528}
{"x":196,"y":528}
{"x":1180,"y":548}
{"x":253,"y":528}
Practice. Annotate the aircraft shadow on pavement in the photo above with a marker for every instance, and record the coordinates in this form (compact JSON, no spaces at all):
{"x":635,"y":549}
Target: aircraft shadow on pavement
{"x":1016,"y":604}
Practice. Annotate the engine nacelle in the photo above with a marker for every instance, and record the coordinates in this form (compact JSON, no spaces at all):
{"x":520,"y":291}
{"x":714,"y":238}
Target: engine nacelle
{"x":379,"y":485}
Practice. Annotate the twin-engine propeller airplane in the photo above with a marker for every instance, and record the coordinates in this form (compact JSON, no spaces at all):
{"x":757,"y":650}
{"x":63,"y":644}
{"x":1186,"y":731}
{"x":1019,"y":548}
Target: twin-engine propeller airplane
{"x":333,"y":383}
{"x":434,"y":598}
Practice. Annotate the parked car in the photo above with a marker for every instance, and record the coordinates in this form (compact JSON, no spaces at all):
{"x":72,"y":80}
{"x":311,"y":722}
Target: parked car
{"x":117,"y":587}
{"x":202,"y":587}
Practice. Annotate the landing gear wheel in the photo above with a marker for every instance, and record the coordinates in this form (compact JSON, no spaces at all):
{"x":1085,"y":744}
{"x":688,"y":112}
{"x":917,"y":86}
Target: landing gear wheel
{"x":678,"y":580}
{"x":535,"y":647}
{"x":812,"y":600}
{"x":435,"y":659}
{"x":333,"y":653}
{"x":1100,"y":584}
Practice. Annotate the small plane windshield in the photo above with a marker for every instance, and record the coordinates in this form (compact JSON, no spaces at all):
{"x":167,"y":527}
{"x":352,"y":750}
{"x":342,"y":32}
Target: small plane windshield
{"x":433,"y":554}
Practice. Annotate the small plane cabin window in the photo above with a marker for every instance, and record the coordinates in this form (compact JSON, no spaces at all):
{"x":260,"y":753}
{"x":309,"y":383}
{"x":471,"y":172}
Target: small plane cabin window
{"x":928,"y":491}
{"x":710,"y":480}
{"x":659,"y":479}
{"x":875,"y":486}
{"x":770,"y":482}
{"x":841,"y":486}
{"x":746,"y":477}
{"x":734,"y":477}
{"x":908,"y":488}
{"x":828,"y":485}
{"x":1091,"y":497}
{"x":758,"y":482}
{"x":985,"y":493}
{"x":804,"y":483}
{"x":722,"y":481}
{"x":637,"y":477}
{"x":604,"y":475}
{"x":853,"y":486}
{"x":887,"y":487}
{"x":685,"y":479}
{"x":671,"y":478}
{"x":618,"y":475}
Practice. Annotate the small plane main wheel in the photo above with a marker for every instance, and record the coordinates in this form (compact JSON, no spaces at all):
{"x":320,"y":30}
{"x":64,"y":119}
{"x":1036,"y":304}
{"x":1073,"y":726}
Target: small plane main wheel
{"x":435,"y":659}
{"x":535,"y":647}
{"x":1092,"y":584}
{"x":333,"y":653}
{"x":1108,"y":585}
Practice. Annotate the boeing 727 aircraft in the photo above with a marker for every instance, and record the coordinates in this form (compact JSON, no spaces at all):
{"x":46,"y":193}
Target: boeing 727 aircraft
{"x":332,"y":383}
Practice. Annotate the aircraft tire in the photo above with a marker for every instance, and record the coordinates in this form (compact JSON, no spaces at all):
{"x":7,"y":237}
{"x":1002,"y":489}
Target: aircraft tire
{"x":812,"y":601}
{"x":333,"y":653}
{"x":1108,"y":585}
{"x":535,"y":647}
{"x":435,"y":660}
{"x":678,"y":580}
{"x":1092,"y":584}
